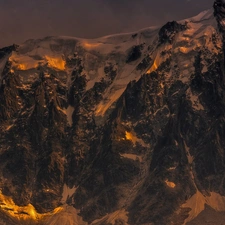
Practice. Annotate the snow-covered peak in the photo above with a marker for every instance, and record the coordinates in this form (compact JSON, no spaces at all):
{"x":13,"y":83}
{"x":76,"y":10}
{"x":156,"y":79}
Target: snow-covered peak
{"x":128,"y":55}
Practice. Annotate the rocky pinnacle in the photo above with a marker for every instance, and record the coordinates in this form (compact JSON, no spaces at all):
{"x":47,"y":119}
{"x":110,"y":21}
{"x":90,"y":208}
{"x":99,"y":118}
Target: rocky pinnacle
{"x":219,"y":13}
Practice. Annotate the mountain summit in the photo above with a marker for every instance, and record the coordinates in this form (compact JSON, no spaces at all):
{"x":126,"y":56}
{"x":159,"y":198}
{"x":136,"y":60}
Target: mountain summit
{"x":126,"y":129}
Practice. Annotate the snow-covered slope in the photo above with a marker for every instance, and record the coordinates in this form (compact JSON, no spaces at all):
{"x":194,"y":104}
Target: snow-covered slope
{"x":57,"y":53}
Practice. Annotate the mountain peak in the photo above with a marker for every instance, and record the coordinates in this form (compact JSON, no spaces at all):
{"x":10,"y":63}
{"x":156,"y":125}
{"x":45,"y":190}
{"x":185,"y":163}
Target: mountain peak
{"x":127,"y":129}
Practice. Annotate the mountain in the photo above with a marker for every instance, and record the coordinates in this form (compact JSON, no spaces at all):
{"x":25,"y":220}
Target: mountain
{"x":126,"y":129}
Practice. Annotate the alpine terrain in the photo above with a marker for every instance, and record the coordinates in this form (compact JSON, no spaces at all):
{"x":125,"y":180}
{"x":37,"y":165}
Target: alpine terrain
{"x":126,"y":129}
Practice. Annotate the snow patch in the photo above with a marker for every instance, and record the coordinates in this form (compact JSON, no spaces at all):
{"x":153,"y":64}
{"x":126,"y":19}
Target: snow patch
{"x":69,"y":113}
{"x":108,"y":101}
{"x":67,"y":193}
{"x":197,"y":204}
{"x":113,"y":218}
{"x":189,"y":157}
{"x":68,"y":216}
{"x":95,"y":76}
{"x":132,"y":157}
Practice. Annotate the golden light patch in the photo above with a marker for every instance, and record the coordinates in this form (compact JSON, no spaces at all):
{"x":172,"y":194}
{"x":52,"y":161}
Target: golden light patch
{"x":153,"y":68}
{"x":161,"y":85}
{"x":129,"y":136}
{"x":99,"y":110}
{"x":91,"y":45}
{"x":170,"y":184}
{"x":57,"y":63}
{"x":21,"y":67}
{"x":184,"y":50}
{"x":22,"y":212}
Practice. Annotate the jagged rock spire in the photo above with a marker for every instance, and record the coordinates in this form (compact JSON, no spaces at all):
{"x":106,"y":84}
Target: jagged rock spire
{"x":219,"y":13}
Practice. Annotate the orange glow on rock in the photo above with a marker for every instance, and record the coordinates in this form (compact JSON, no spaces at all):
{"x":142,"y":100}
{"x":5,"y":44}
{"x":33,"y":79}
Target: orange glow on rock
{"x":57,"y":63}
{"x":21,"y":67}
{"x":28,"y":212}
{"x":153,"y":68}
{"x":129,"y":136}
{"x":170,"y":184}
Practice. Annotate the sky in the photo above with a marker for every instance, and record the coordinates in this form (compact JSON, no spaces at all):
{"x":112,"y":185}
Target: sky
{"x":26,"y":19}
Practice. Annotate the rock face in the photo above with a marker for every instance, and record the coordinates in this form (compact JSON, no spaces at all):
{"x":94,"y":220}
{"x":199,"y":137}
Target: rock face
{"x":219,"y":12}
{"x":126,"y":129}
